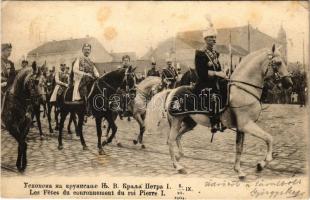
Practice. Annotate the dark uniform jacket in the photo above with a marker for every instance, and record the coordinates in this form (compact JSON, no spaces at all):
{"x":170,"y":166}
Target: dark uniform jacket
{"x":170,"y":74}
{"x":206,"y":60}
{"x":153,"y":72}
{"x":7,"y":73}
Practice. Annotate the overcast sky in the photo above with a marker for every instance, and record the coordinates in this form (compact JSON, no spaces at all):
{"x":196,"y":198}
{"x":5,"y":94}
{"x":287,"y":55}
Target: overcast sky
{"x":136,"y":26}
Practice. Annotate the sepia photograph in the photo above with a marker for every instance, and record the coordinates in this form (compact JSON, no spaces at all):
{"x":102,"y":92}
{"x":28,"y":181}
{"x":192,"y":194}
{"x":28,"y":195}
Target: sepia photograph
{"x":155,"y":100}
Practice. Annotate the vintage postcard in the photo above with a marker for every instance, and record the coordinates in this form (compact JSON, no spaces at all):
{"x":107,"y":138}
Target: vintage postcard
{"x":155,"y":100}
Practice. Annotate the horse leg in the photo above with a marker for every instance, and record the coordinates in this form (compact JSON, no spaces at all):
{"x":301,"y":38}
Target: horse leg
{"x":69,"y":124}
{"x":181,"y":131}
{"x":80,"y":129}
{"x":37,"y":114}
{"x":49,"y":109}
{"x":239,"y":150}
{"x":174,"y":132}
{"x":63,"y":116}
{"x":111,"y":122}
{"x":139,"y":119}
{"x":56,"y":113}
{"x":75,"y":123}
{"x":253,"y":129}
{"x":22,"y":142}
{"x":99,"y":134}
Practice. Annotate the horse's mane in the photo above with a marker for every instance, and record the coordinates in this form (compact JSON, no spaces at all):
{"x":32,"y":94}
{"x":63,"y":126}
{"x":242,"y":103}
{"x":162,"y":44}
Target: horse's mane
{"x":112,"y":74}
{"x":149,"y":81}
{"x":19,"y":80}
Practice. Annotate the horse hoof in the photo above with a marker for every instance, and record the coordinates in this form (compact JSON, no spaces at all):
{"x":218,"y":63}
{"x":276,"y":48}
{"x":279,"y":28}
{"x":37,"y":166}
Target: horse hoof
{"x":182,"y":171}
{"x":60,"y":147}
{"x":101,"y":152}
{"x":259,"y":167}
{"x":85,"y":148}
{"x":177,"y":158}
{"x":21,"y":170}
{"x":242,"y":177}
{"x":104,"y":126}
{"x":104,"y":143}
{"x":119,"y":144}
{"x":142,"y":146}
{"x":135,"y":142}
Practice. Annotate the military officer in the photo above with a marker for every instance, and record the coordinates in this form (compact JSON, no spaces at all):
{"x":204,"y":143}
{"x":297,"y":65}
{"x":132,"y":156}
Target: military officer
{"x":169,"y":75}
{"x":62,"y":81}
{"x":84,"y":70}
{"x":84,"y":73}
{"x":126,"y":61}
{"x":153,"y":71}
{"x":209,"y":71}
{"x":7,"y":67}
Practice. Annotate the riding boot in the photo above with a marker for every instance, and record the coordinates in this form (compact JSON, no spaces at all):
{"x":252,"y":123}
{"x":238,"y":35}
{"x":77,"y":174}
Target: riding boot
{"x":213,"y":124}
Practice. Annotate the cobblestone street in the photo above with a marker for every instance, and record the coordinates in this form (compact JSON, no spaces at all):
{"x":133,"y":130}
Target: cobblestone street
{"x":202,"y":158}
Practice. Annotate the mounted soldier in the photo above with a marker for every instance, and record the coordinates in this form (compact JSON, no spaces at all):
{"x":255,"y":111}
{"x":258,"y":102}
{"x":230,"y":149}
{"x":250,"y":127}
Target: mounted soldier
{"x":7,"y":67}
{"x":62,"y":81}
{"x":210,"y":75}
{"x":153,"y":71}
{"x":84,"y":73}
{"x":169,"y":75}
{"x":24,"y":63}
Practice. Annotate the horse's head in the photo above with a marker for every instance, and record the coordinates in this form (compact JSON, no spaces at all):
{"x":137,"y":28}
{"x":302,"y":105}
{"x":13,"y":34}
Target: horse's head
{"x":34,"y":85}
{"x":276,"y":68}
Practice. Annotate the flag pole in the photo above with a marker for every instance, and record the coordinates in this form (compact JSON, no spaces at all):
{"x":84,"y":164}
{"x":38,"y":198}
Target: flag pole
{"x":230,"y":55}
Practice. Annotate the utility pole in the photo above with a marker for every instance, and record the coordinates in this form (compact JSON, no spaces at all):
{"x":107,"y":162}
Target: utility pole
{"x":230,"y":55}
{"x":303,"y":53}
{"x":249,"y":38}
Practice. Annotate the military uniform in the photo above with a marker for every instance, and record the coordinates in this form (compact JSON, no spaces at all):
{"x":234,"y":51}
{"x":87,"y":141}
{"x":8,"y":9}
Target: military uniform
{"x":81,"y":69}
{"x":153,"y":72}
{"x":206,"y":60}
{"x":169,"y":77}
{"x":62,"y":81}
{"x":7,"y":73}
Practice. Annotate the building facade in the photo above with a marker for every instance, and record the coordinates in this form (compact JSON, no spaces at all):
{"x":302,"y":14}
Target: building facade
{"x":54,"y":53}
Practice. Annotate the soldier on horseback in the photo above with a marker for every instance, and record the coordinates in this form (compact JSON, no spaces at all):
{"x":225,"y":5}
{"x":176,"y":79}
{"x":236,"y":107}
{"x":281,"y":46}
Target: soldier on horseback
{"x":153,"y":71}
{"x":85,"y":72}
{"x":169,"y":75}
{"x":62,"y":81}
{"x":7,"y":67}
{"x":210,"y":75}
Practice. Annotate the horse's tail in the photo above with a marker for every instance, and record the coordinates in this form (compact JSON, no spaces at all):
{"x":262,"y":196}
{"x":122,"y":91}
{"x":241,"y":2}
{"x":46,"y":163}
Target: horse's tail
{"x":156,"y":113}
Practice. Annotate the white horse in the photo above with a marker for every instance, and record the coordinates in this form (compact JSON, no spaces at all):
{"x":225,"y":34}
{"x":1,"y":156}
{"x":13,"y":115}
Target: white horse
{"x":145,"y":90}
{"x":244,"y":108}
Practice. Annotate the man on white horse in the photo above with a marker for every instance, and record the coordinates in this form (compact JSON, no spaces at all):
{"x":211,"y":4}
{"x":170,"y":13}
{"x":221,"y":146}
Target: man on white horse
{"x":62,"y":81}
{"x":210,"y":74}
{"x":84,"y":71}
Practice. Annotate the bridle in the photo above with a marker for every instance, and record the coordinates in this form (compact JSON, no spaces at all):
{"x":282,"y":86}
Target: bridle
{"x":125,"y":80}
{"x":272,"y":65}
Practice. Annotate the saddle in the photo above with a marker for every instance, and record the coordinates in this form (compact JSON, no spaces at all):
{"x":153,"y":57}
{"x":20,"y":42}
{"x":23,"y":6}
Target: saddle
{"x":67,"y":96}
{"x":187,"y":101}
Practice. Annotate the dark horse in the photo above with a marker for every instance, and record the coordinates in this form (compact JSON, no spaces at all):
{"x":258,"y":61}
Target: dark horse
{"x":36,"y":104}
{"x":188,"y":78}
{"x":109,"y":83}
{"x":106,"y":99}
{"x":17,"y":109}
{"x":50,"y":86}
